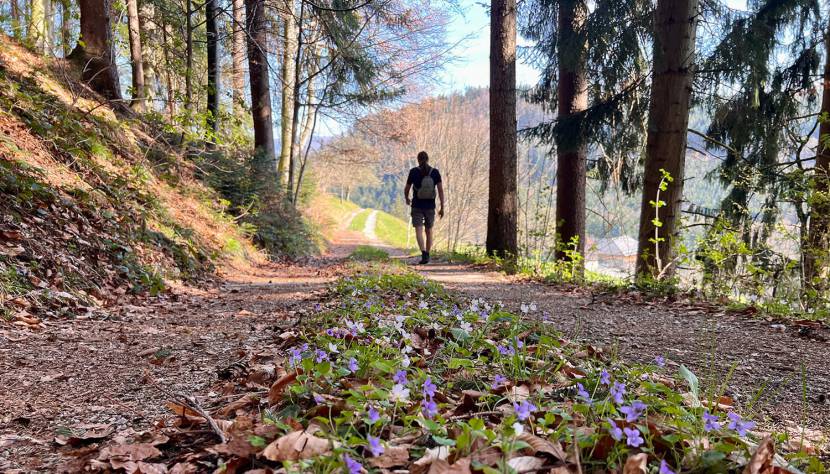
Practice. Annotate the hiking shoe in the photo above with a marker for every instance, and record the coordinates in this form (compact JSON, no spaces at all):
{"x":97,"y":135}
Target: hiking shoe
{"x":424,"y":258}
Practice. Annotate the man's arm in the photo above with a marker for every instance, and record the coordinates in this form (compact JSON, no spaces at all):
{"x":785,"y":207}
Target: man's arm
{"x":441,"y":198}
{"x":406,"y":193}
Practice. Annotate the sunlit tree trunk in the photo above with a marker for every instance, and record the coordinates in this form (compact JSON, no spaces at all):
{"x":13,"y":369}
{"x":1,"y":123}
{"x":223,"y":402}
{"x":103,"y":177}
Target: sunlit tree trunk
{"x":671,"y":88}
{"x":94,"y":51}
{"x":66,"y":34}
{"x":288,"y":77}
{"x":260,"y":90}
{"x":211,"y":12}
{"x":37,"y":31}
{"x":502,"y":215}
{"x":572,"y":157}
{"x":817,"y":253}
{"x":168,"y":78}
{"x":136,"y":57}
{"x":152,"y":83}
{"x":238,"y":54}
{"x":17,"y":24}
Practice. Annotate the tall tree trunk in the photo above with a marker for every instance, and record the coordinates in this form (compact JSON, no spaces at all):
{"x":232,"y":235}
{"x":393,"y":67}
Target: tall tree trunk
{"x":211,"y":12}
{"x":136,"y":57}
{"x":289,"y":74}
{"x":817,"y":254}
{"x":17,"y":24}
{"x":152,"y":84}
{"x":238,"y":54}
{"x":572,"y":157}
{"x":94,"y":51}
{"x":502,"y":215}
{"x":171,"y":94}
{"x":260,"y":91}
{"x":66,"y":33}
{"x":37,"y":30}
{"x":671,"y":87}
{"x":188,"y":68}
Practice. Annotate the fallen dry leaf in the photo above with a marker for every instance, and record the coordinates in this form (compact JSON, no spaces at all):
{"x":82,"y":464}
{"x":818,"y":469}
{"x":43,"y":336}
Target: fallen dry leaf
{"x":393,"y":456}
{"x":636,"y":464}
{"x":276,"y":391}
{"x":247,"y":399}
{"x":526,"y":463}
{"x":761,"y":461}
{"x":296,"y":445}
{"x":541,"y":445}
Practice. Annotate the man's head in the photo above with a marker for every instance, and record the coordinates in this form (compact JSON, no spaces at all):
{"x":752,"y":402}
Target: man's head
{"x":423,"y":159}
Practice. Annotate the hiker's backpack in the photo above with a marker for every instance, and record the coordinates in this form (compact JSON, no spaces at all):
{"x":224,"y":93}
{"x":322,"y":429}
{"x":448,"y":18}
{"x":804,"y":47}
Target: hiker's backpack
{"x":427,"y":189}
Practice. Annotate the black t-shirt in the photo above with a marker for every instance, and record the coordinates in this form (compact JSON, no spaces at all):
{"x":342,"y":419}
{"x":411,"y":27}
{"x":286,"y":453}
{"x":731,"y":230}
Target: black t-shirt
{"x":415,"y":177}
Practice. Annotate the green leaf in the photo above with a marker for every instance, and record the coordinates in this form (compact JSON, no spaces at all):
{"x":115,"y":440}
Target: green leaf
{"x":694,"y":385}
{"x":384,"y":366}
{"x":458,"y":363}
{"x":257,"y":441}
{"x":443,"y":441}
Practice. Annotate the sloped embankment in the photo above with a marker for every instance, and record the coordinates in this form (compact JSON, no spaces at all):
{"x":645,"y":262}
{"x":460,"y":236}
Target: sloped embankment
{"x":95,"y":206}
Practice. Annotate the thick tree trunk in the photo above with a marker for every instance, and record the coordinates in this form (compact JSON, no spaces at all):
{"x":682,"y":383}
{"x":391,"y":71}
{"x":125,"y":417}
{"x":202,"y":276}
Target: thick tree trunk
{"x":260,"y":90}
{"x":289,"y":73}
{"x":572,"y":156}
{"x":94,"y":51}
{"x":502,"y":215}
{"x":668,"y":120}
{"x":211,"y":12}
{"x":66,"y":32}
{"x":152,"y":83}
{"x":238,"y":54}
{"x":37,"y":31}
{"x":817,"y":252}
{"x":136,"y":57}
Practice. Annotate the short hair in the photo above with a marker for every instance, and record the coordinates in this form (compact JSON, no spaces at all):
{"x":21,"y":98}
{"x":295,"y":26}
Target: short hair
{"x":423,"y":156}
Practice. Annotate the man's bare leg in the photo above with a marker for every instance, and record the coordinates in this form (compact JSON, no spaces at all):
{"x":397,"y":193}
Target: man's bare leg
{"x":419,"y":236}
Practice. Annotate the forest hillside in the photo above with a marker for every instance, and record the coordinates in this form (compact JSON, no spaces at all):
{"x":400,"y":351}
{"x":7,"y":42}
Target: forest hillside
{"x":96,"y":205}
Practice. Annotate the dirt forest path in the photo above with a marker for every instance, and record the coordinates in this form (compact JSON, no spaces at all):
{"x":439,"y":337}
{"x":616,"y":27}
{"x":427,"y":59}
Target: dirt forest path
{"x":766,"y":355}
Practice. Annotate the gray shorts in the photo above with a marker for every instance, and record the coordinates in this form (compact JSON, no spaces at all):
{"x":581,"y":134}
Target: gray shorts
{"x":421,"y":217}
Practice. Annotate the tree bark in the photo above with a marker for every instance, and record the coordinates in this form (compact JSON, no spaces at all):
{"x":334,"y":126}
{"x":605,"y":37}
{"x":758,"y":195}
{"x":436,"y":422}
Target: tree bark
{"x":817,"y":253}
{"x":17,"y":25}
{"x":136,"y":57}
{"x":188,"y":68}
{"x":572,"y":156}
{"x":211,"y":12}
{"x":94,"y":51}
{"x":260,"y":90}
{"x":37,"y":30}
{"x":238,"y":54}
{"x":289,"y":72}
{"x":66,"y":34}
{"x":152,"y":82}
{"x":668,"y":120}
{"x":171,"y":93}
{"x":502,"y":215}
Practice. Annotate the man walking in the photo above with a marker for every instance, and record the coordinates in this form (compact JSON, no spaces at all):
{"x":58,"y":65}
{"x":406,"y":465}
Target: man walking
{"x":426,"y":182}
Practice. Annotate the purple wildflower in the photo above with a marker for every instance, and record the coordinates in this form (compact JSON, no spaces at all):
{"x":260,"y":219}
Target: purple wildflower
{"x":632,"y":437}
{"x":353,"y":366}
{"x":660,"y":361}
{"x":524,"y":409}
{"x":498,"y":381}
{"x":353,"y":466}
{"x":664,"y":467}
{"x":399,"y":377}
{"x":429,"y":387}
{"x":321,"y":355}
{"x":617,"y":391}
{"x":375,"y":446}
{"x":506,"y":350}
{"x":738,"y":424}
{"x":296,"y":356}
{"x":318,"y":399}
{"x":399,"y":393}
{"x":605,"y":377}
{"x":429,"y":408}
{"x":582,"y":393}
{"x":615,"y":431}
{"x":710,"y":422}
{"x":373,"y":415}
{"x":633,"y":411}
